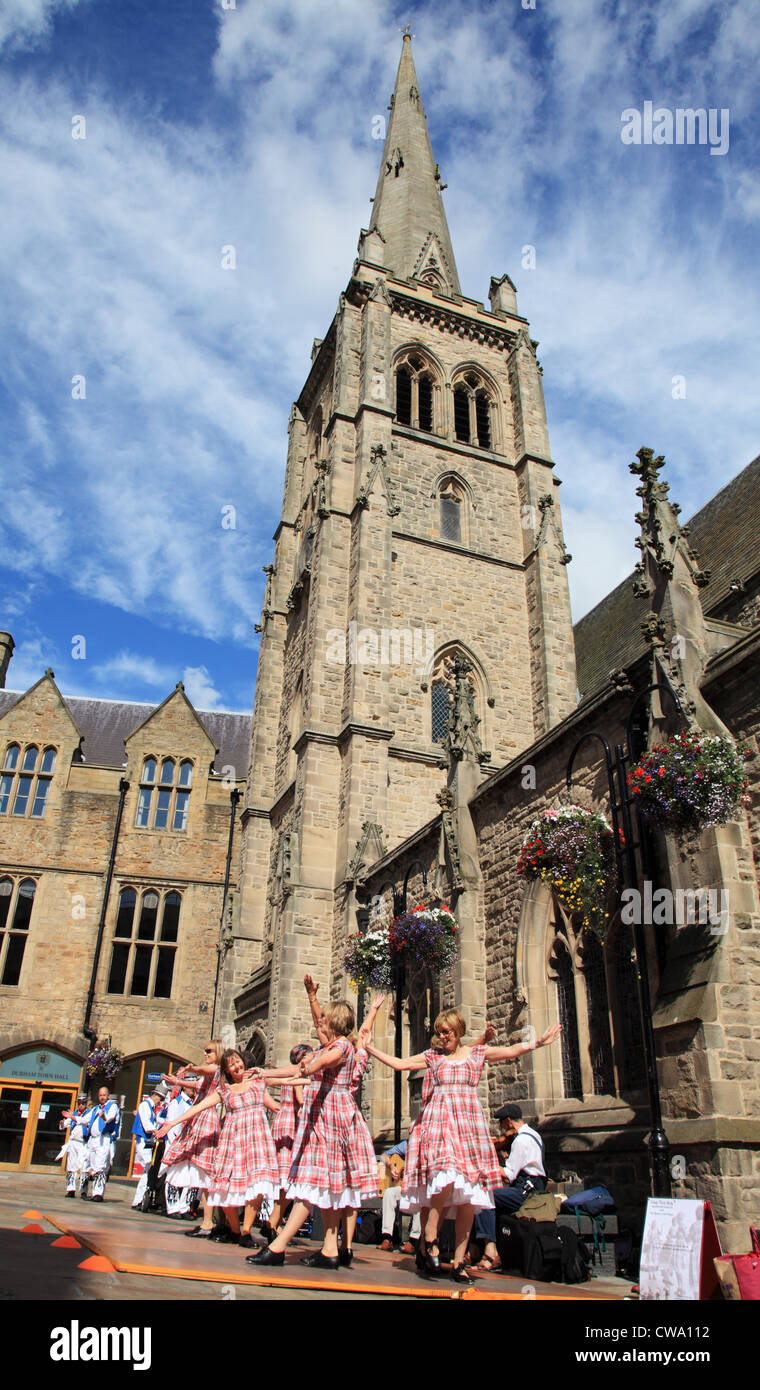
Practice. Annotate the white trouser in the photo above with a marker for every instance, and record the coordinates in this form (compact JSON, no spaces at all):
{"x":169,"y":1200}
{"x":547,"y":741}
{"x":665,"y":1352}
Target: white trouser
{"x":143,"y":1155}
{"x":76,"y":1163}
{"x":391,"y":1199}
{"x":177,"y":1199}
{"x":99,"y":1155}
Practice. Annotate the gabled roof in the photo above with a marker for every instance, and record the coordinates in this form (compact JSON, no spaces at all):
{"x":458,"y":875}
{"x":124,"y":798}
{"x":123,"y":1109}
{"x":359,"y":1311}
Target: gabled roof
{"x":105,"y":724}
{"x":725,"y":536}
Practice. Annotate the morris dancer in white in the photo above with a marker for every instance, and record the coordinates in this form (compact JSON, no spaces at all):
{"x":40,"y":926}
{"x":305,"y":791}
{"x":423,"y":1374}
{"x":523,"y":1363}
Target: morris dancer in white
{"x":178,"y":1198}
{"x":103,"y":1122}
{"x":143,"y":1129}
{"x":75,"y":1149}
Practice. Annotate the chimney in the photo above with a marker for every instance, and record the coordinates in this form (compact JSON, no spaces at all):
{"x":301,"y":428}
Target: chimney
{"x":6,"y":652}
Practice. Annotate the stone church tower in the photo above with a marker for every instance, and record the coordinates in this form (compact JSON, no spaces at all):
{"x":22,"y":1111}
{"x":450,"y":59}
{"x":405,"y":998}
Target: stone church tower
{"x":420,"y":521}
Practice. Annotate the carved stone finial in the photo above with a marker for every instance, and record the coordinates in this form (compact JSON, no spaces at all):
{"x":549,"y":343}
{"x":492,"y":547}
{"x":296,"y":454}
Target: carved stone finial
{"x":669,"y":576}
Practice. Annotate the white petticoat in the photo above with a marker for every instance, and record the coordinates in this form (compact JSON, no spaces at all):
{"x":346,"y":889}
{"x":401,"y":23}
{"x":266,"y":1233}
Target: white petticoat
{"x":323,"y":1197}
{"x":237,"y":1197}
{"x":186,"y":1174}
{"x":415,"y":1198}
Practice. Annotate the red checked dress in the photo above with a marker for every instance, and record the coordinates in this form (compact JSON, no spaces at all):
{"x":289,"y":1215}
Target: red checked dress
{"x":190,"y":1157}
{"x":245,"y":1163}
{"x":283,"y":1131}
{"x":450,"y":1144}
{"x":334,"y":1163}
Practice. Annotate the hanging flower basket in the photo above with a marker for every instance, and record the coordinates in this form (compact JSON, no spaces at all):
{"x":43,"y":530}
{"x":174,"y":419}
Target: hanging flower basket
{"x":572,"y":850}
{"x":104,"y":1060}
{"x":692,"y":781}
{"x":367,"y":959}
{"x":426,"y":938}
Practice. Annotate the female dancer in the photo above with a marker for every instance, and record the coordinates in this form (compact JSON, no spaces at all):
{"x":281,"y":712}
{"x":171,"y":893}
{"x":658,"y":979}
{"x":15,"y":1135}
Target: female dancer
{"x":245,"y":1162}
{"x":451,"y":1160}
{"x":334,"y":1164}
{"x":189,"y":1159}
{"x":428,"y":1086}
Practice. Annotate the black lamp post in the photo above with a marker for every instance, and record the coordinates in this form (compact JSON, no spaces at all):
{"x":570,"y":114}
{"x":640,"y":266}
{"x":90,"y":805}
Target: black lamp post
{"x":624,"y":809}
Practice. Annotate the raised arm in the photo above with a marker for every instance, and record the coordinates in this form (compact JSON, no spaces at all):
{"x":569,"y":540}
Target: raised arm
{"x":273,"y":1074}
{"x":325,"y":1061}
{"x":398,"y":1063}
{"x":179,"y":1080}
{"x":206,"y":1104}
{"x":508,"y":1054}
{"x":487,"y":1036}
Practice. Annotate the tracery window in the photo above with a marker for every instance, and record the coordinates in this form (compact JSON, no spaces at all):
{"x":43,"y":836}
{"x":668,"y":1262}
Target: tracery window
{"x":25,"y":780}
{"x":442,"y":692}
{"x":474,"y":410}
{"x":596,"y":1000}
{"x":145,"y":944}
{"x":415,"y":393}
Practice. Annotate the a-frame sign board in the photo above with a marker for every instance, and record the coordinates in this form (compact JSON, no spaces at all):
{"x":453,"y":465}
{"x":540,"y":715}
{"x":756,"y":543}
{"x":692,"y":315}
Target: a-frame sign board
{"x":677,"y":1253}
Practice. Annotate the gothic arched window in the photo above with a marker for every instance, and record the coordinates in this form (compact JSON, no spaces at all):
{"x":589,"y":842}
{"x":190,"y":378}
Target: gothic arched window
{"x":452,"y":505}
{"x":416,"y":384}
{"x":442,"y":690}
{"x":474,"y":411}
{"x":593,"y":993}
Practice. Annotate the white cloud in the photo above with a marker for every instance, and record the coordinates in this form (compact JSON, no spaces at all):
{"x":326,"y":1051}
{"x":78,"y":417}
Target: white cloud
{"x":200,"y":688}
{"x":114,"y":246}
{"x":23,"y":23}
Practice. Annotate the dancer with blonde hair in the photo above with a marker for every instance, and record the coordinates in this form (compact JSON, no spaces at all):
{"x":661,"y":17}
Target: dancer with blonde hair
{"x":190,"y":1157}
{"x":451,"y":1161}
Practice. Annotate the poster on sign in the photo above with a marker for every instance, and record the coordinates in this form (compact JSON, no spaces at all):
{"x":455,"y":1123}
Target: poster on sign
{"x":677,"y":1252}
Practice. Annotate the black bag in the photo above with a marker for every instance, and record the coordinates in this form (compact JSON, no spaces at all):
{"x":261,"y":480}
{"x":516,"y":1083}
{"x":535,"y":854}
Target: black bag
{"x":531,"y":1249}
{"x":576,"y":1257}
{"x":368,"y":1228}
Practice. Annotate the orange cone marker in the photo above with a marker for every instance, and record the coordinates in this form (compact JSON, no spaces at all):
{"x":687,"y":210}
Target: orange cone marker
{"x":33,"y":1229}
{"x":67,"y":1242}
{"x":37,"y":1214}
{"x":99,"y":1264}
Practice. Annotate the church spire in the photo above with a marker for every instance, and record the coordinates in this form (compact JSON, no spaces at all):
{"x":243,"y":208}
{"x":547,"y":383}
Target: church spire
{"x":408,"y":207}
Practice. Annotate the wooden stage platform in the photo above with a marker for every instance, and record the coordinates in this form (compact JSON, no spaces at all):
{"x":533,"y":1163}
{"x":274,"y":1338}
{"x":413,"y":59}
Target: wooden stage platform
{"x":152,"y":1245}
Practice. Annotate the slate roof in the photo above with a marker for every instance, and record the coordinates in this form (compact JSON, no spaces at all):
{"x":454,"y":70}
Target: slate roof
{"x":107,"y":723}
{"x":725,"y":536}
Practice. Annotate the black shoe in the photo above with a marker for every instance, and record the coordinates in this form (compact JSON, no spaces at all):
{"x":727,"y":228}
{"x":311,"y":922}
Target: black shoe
{"x":431,"y":1264}
{"x":199,"y":1233}
{"x":246,"y":1239}
{"x":266,"y":1257}
{"x":461,"y":1275}
{"x":71,"y":1194}
{"x":345,"y":1257}
{"x":96,"y":1199}
{"x":267,"y":1231}
{"x":320,"y":1261}
{"x":225,"y":1237}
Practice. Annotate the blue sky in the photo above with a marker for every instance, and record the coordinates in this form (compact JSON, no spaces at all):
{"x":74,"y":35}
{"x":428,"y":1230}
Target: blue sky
{"x":252,"y":126}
